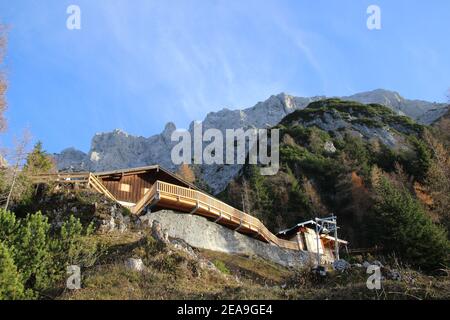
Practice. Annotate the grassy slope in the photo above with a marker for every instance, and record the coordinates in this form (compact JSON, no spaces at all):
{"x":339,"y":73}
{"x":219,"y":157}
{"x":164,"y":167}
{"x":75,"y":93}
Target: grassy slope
{"x":172,"y":274}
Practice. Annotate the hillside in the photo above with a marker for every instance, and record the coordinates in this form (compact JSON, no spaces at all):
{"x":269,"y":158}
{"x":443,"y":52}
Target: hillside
{"x":173,"y":274}
{"x":332,"y":157}
{"x":138,"y":262}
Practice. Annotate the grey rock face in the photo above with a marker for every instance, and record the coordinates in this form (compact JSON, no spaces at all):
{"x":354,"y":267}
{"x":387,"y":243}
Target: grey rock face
{"x":158,"y":234}
{"x":72,"y":160}
{"x":334,"y":121}
{"x":117,"y":149}
{"x":115,"y":222}
{"x":423,"y":112}
{"x":200,"y":233}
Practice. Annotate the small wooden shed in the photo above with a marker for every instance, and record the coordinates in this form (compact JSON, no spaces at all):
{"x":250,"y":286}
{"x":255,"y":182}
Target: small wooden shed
{"x":306,"y":237}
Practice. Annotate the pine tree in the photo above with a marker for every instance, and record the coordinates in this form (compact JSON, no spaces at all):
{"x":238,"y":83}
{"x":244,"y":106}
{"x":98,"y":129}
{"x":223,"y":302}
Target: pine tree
{"x":36,"y":257}
{"x":11,"y":287}
{"x":403,"y":227}
{"x":38,"y":161}
{"x":33,"y":255}
{"x":71,"y":247}
{"x":8,"y":227}
{"x":421,"y":164}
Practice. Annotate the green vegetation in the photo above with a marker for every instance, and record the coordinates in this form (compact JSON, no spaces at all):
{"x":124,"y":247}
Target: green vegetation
{"x":221,"y":266}
{"x":313,"y":182}
{"x":34,"y":257}
{"x":403,"y":227}
{"x":11,"y":286}
{"x":15,"y":182}
{"x":369,"y":115}
{"x":344,"y":108}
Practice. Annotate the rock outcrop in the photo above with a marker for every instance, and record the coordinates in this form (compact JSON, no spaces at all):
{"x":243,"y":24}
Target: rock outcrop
{"x":366,"y":121}
{"x":201,"y":233}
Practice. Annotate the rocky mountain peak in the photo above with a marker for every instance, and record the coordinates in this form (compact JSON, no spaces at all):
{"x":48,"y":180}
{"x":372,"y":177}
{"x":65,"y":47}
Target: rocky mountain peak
{"x":167,"y":132}
{"x":169,"y":128}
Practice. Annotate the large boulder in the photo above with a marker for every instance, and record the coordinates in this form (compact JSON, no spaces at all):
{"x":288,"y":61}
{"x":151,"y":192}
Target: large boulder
{"x":135,"y":264}
{"x":341,"y":265}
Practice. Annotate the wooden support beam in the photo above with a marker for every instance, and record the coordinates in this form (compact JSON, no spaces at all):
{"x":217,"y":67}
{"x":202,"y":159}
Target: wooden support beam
{"x":195,"y":209}
{"x":219,"y":218}
{"x":240,"y":226}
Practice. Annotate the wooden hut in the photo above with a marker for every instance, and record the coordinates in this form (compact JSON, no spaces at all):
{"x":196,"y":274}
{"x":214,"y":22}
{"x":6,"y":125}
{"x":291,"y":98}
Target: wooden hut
{"x":306,"y":237}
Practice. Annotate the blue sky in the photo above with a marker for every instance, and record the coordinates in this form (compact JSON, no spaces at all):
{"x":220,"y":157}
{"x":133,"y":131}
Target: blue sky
{"x":136,"y":65}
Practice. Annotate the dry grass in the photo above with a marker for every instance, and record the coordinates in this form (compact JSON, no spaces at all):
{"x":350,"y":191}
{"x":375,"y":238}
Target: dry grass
{"x":173,"y":274}
{"x":251,"y":268}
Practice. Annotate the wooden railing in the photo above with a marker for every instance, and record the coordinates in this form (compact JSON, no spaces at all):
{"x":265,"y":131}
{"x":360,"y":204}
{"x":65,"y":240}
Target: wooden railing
{"x":87,"y":179}
{"x":96,"y":184}
{"x":61,"y":177}
{"x":219,"y":208}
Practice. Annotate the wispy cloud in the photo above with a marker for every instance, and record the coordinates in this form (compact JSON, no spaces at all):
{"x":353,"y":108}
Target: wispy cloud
{"x":138,"y":64}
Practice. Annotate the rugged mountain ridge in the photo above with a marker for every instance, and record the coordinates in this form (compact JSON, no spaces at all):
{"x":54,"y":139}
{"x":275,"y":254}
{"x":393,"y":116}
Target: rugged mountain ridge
{"x":118,"y":149}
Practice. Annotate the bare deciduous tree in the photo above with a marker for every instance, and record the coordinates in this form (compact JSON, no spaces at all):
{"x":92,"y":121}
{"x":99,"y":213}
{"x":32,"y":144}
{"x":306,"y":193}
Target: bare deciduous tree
{"x":438,"y":179}
{"x":3,"y":85}
{"x":18,"y":157}
{"x":186,"y":172}
{"x":314,"y":197}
